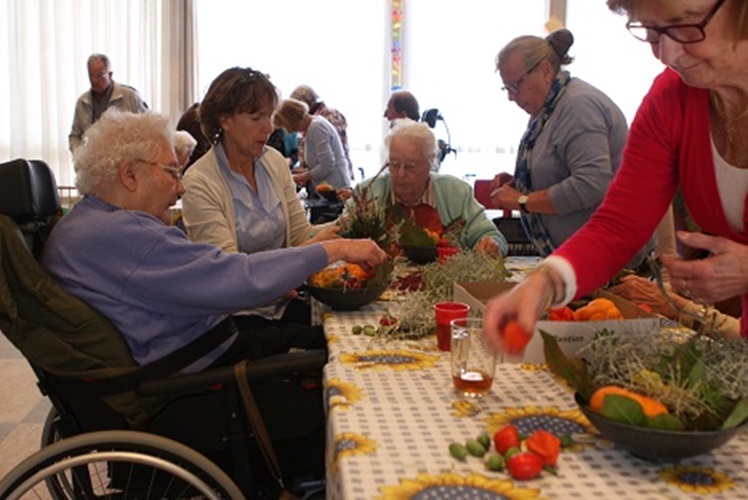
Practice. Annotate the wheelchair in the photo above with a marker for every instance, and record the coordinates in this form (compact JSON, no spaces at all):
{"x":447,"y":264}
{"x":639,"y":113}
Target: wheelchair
{"x":119,"y":430}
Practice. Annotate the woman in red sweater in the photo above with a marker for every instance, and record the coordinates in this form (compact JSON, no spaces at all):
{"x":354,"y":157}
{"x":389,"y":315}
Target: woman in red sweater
{"x":691,"y":132}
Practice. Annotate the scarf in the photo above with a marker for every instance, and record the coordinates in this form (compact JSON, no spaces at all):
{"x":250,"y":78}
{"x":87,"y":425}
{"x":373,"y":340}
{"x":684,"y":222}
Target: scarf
{"x":531,"y":222}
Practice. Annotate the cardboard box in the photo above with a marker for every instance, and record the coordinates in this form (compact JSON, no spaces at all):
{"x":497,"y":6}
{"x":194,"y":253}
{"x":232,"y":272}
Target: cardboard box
{"x":571,"y":335}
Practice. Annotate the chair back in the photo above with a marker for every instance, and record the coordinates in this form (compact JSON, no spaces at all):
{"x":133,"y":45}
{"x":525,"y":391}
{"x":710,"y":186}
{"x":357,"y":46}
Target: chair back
{"x":28,"y":191}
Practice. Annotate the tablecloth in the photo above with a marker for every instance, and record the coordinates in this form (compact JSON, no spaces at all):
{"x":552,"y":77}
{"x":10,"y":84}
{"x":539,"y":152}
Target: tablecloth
{"x":392,"y":414}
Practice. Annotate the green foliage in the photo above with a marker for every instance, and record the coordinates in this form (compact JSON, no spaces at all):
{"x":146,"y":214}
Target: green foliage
{"x":700,"y":380}
{"x":411,"y":234}
{"x":572,"y":370}
{"x":623,"y":409}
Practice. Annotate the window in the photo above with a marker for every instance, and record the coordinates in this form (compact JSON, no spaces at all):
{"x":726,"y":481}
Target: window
{"x":451,"y":66}
{"x":608,"y":57}
{"x":335,"y":46}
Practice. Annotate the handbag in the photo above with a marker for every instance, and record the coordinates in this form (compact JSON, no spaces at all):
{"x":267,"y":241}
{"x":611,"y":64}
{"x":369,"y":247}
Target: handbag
{"x":259,"y":430}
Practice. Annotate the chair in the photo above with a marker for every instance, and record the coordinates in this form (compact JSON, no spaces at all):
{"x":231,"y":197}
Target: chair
{"x":510,"y":227}
{"x":121,"y":421}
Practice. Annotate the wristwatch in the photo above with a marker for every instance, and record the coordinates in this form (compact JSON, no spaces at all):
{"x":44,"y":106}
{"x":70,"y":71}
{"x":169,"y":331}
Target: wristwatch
{"x":522,"y":200}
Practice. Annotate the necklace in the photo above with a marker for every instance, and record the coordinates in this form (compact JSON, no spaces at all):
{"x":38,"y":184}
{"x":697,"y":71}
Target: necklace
{"x":729,"y":122}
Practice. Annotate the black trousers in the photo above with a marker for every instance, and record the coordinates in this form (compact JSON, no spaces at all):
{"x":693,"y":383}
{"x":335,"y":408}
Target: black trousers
{"x":260,"y":337}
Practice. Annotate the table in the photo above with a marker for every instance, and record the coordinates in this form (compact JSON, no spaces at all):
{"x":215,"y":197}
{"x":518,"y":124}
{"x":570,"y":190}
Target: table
{"x":392,"y":415}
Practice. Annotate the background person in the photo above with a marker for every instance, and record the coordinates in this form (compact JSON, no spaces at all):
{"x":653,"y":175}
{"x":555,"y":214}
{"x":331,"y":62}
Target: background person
{"x":190,"y":122}
{"x":690,"y":132}
{"x":432,"y":200}
{"x":323,"y":152}
{"x":103,"y":94}
{"x":317,"y":106}
{"x":402,"y":104}
{"x":184,"y":146}
{"x":571,"y":149}
{"x":115,"y":251}
{"x":240,"y":195}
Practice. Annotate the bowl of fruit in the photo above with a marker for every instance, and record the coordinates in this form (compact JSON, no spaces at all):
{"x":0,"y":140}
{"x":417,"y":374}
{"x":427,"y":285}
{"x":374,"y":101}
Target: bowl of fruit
{"x":347,"y":287}
{"x":654,"y":444}
{"x":327,"y":191}
{"x":662,"y":397}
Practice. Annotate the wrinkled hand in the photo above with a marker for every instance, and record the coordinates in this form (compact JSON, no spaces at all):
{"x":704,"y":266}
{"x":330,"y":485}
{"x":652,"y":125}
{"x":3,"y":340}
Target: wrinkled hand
{"x":505,"y":197}
{"x":722,"y":275}
{"x":488,"y":246}
{"x":643,"y":291}
{"x":328,"y":232}
{"x":364,"y":252}
{"x":344,"y":194}
{"x":501,"y":179}
{"x":523,"y":303}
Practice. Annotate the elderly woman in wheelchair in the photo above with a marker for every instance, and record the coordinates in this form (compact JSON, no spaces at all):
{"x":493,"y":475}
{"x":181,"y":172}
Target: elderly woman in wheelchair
{"x":127,"y":327}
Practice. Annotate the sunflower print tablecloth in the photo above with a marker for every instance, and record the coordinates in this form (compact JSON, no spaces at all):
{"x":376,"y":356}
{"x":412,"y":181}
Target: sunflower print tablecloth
{"x":392,"y":415}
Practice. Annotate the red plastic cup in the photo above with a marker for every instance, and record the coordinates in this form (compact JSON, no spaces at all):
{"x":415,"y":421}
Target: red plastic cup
{"x":445,"y":313}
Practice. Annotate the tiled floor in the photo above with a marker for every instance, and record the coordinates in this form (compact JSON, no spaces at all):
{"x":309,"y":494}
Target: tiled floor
{"x":22,"y":408}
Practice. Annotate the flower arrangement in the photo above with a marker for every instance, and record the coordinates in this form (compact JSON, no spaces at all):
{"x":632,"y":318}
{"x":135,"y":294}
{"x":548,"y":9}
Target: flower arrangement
{"x":702,"y":383}
{"x":415,"y":315}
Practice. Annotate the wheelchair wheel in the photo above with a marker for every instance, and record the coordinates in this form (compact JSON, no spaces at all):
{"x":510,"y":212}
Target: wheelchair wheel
{"x":117,"y":464}
{"x":57,"y":484}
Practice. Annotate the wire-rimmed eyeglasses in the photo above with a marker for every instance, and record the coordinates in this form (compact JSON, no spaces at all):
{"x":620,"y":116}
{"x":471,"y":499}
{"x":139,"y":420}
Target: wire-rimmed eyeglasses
{"x":173,"y":170}
{"x":513,"y":88}
{"x":405,"y":167}
{"x":681,"y":33}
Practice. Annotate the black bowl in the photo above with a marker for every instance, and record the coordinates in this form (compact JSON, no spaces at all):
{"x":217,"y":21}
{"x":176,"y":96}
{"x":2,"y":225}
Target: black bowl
{"x":657,"y":445}
{"x":329,"y":194}
{"x":347,"y":299}
{"x":420,"y":255}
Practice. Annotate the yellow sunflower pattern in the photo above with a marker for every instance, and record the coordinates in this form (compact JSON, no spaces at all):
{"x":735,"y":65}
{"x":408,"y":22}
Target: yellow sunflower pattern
{"x":571,"y":423}
{"x":696,"y":479}
{"x":456,"y":486}
{"x":350,"y":444}
{"x":398,"y":360}
{"x":342,"y":395}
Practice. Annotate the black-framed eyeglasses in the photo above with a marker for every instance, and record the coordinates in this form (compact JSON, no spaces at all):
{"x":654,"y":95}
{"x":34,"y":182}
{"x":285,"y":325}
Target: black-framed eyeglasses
{"x":513,"y":88}
{"x":173,"y":170}
{"x":681,"y":33}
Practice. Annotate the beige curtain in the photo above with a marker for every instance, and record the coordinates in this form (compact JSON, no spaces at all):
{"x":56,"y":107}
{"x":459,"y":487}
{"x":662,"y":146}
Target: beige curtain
{"x":44,"y":45}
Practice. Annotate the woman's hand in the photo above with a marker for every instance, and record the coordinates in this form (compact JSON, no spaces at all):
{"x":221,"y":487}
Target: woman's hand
{"x":643,"y":291}
{"x":722,"y":275}
{"x":501,"y":179}
{"x":328,"y":232}
{"x":488,"y":246}
{"x":525,"y":303}
{"x":344,"y":194}
{"x":505,"y":197}
{"x":357,"y":251}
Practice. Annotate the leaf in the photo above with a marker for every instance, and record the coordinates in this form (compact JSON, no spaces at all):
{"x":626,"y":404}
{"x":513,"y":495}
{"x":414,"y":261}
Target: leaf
{"x":666,"y":422}
{"x":574,"y":371}
{"x":382,"y":273}
{"x":696,"y":374}
{"x":623,"y":409}
{"x":738,"y":414}
{"x":413,"y":235}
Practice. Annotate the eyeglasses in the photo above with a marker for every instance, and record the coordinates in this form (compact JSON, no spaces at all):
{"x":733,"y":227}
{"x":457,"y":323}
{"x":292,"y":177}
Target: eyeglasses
{"x":406,"y":167}
{"x":513,"y":88}
{"x":681,"y":33}
{"x":173,"y":170}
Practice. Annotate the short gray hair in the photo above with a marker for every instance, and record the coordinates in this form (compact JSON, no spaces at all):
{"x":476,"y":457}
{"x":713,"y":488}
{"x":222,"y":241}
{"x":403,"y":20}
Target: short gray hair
{"x":418,"y":132}
{"x":115,"y":138}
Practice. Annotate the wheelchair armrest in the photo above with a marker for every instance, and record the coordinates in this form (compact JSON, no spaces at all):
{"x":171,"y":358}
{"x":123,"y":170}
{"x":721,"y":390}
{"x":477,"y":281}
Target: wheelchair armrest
{"x":264,"y":368}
